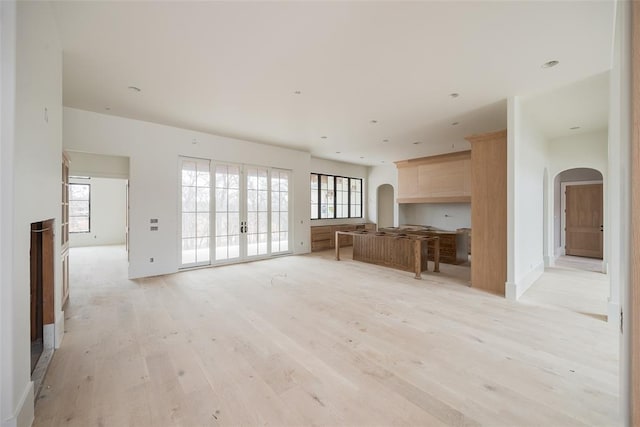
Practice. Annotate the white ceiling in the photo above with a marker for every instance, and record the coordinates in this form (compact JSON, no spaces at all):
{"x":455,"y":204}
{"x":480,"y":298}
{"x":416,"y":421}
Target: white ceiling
{"x":231,"y":68}
{"x":583,"y":104}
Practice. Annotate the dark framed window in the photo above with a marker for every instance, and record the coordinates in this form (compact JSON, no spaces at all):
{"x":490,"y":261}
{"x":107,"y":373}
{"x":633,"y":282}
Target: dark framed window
{"x":334,"y":197}
{"x":79,"y":208}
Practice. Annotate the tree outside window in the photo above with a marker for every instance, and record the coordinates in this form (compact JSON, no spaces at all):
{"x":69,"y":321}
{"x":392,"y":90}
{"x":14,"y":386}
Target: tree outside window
{"x":79,"y":208}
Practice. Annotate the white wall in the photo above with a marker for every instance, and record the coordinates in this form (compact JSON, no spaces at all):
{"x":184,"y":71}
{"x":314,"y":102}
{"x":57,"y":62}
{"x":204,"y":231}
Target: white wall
{"x":8,"y":403}
{"x":36,"y":188}
{"x":617,"y":240}
{"x":95,"y":165}
{"x":528,"y":160}
{"x":107,"y":213}
{"x":377,"y":176}
{"x":153,"y":152}
{"x":585,"y":150}
{"x":448,"y":216}
{"x":350,"y":170}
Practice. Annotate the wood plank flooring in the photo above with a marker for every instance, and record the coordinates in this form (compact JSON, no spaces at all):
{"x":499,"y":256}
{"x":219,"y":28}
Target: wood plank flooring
{"x":306,"y":340}
{"x":574,"y":284}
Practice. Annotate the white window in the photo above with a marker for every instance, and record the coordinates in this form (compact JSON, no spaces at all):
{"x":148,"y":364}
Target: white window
{"x":335,"y":197}
{"x":247,"y":216}
{"x":279,"y":211}
{"x":196,"y":212}
{"x":79,"y":208}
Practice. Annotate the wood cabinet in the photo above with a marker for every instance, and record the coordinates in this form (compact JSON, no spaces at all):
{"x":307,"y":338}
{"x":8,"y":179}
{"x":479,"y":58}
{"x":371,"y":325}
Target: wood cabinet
{"x":489,"y":211}
{"x":453,"y":244}
{"x":323,"y":236}
{"x":437,"y":179}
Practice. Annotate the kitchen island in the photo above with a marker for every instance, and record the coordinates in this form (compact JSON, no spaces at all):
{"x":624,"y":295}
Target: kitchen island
{"x":453,"y":244}
{"x":399,"y":251}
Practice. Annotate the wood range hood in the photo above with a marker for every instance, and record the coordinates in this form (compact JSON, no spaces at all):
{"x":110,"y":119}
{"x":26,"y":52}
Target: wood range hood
{"x":444,"y":178}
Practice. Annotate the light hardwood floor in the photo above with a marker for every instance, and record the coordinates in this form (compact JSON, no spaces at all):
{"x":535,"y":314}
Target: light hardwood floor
{"x":306,"y":340}
{"x":574,"y":284}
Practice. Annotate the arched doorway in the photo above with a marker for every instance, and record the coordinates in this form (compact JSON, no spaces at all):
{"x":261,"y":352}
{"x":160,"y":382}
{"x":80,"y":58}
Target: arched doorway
{"x":385,"y":206}
{"x":579,"y":216}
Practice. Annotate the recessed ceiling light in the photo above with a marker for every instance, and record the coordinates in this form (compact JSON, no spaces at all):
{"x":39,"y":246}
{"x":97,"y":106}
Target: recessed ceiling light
{"x":374,"y":121}
{"x":455,"y":123}
{"x":194,"y":141}
{"x":323,"y":137}
{"x":297,"y":92}
{"x":385,"y":140}
{"x":135,"y":89}
{"x":550,"y":64}
{"x":362,"y":157}
{"x":417,"y":142}
{"x":107,"y":108}
{"x":574,"y":128}
{"x":454,"y":94}
{"x":382,"y":161}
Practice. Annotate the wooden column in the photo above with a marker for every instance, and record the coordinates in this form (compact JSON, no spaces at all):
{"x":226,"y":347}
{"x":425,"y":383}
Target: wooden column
{"x":634,"y":283}
{"x":489,"y":211}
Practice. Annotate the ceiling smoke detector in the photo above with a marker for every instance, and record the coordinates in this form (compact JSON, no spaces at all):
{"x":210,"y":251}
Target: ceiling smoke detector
{"x":455,"y":123}
{"x":550,"y":64}
{"x":134,"y":88}
{"x":417,"y":142}
{"x":574,"y":128}
{"x":454,"y":95}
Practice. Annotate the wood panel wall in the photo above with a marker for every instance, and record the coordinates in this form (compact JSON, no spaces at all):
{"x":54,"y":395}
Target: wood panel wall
{"x":489,"y":211}
{"x":634,"y":293}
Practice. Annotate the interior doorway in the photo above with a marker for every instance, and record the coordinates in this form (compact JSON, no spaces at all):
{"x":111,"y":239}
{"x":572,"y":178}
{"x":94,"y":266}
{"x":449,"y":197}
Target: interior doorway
{"x":578,"y":212}
{"x":385,"y":199}
{"x":584,"y":224}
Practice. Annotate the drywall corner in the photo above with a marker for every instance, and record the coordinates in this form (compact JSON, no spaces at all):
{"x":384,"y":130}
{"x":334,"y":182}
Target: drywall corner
{"x":25,"y":412}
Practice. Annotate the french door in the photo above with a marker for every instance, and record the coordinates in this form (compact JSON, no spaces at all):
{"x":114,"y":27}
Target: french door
{"x":247,"y":208}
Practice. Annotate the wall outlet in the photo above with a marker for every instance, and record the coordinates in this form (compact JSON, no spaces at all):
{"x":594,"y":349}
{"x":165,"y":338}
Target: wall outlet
{"x":151,"y":259}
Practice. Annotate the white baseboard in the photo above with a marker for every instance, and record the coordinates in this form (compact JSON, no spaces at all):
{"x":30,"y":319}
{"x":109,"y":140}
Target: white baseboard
{"x":613,"y":314}
{"x":24,"y":414}
{"x":549,"y":261}
{"x":49,"y":335}
{"x":59,"y":331}
{"x":513,"y":291}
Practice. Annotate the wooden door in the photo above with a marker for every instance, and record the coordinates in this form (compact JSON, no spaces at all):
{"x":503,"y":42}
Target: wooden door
{"x":584,"y":220}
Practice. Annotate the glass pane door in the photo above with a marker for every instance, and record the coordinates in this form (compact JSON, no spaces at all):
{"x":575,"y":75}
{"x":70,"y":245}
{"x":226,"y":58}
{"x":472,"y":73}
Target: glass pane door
{"x":279,"y":211}
{"x":227,"y":215}
{"x":257,"y":226}
{"x":196,"y":212}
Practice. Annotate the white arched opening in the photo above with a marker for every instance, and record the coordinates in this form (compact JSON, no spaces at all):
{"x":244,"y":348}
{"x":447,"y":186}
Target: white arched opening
{"x":385,"y":203}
